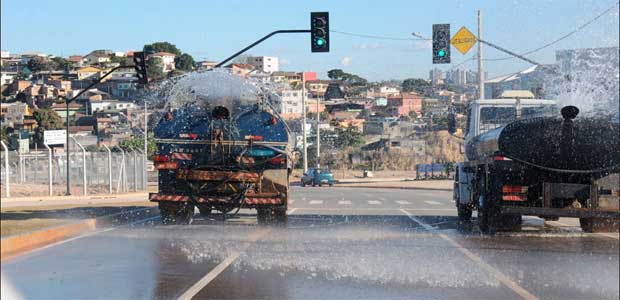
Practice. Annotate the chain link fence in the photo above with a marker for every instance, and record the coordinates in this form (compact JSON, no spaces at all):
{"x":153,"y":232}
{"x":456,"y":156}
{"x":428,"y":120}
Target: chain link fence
{"x":44,"y":172}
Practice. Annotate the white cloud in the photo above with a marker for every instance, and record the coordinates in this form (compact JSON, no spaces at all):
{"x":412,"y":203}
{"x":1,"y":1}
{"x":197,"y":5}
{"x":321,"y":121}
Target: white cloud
{"x":346,"y":61}
{"x":422,"y":45}
{"x":369,"y":46}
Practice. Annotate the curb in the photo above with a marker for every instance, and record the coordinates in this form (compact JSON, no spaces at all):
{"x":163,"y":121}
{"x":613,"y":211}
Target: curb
{"x":395,"y":187}
{"x":17,"y":245}
{"x":72,"y":197}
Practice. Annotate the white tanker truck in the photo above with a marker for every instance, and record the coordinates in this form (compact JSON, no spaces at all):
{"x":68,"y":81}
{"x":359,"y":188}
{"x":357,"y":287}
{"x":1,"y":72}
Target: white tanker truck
{"x":519,"y":162}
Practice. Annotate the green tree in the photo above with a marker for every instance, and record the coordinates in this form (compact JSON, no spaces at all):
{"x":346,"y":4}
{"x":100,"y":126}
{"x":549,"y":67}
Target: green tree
{"x":413,"y":114}
{"x":38,"y":63}
{"x":155,"y":68}
{"x":335,"y":74}
{"x":184,"y":62}
{"x":59,"y":63}
{"x":47,"y":119}
{"x":349,"y":137}
{"x":138,"y":143}
{"x":4,"y":134}
{"x":416,"y":85}
{"x":119,"y":60}
{"x":162,"y":47}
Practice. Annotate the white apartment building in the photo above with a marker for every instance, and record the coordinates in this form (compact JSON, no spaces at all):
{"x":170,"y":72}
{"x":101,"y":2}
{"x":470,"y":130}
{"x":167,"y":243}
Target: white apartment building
{"x":266,"y":64}
{"x":291,"y":104}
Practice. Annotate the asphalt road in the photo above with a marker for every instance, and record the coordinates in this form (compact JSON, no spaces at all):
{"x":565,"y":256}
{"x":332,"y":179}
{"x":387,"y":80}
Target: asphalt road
{"x":340,"y":243}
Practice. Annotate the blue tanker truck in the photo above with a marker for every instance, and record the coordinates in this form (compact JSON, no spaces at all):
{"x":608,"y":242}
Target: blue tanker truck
{"x":222,"y":157}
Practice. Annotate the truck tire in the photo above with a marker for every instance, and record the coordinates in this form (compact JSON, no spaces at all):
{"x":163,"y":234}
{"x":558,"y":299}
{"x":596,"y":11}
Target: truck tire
{"x":176,"y":213}
{"x":280,"y":217}
{"x":263,"y":216}
{"x":599,"y":225}
{"x":464,"y":213}
{"x":205,"y":211}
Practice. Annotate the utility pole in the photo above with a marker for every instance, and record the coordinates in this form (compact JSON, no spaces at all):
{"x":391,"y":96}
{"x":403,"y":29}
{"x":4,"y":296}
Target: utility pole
{"x":303,"y":126}
{"x":480,"y":67}
{"x":318,"y":135}
{"x":144,"y":157}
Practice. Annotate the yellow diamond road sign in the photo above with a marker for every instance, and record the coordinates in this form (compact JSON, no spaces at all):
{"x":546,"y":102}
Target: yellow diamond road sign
{"x":463,"y":40}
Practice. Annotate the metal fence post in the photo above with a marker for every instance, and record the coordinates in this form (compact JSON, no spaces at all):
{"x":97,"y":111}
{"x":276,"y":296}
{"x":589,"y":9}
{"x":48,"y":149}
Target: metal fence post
{"x":122,"y":172}
{"x":7,"y":181}
{"x":49,"y":169}
{"x":85,"y":184}
{"x":142,"y":166}
{"x":135,"y":170}
{"x":109,"y":169}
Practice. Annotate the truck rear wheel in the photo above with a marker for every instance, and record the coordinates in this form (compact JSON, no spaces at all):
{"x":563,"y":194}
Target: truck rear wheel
{"x":599,"y":225}
{"x":205,"y":211}
{"x":464,"y":213}
{"x":176,"y":213}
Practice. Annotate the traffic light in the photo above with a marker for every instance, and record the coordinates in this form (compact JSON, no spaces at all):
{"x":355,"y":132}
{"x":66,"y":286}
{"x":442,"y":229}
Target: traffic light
{"x":319,"y":31}
{"x":441,"y":43}
{"x":139,"y":64}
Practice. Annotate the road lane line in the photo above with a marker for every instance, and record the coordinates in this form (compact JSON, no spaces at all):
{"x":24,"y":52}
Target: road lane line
{"x":316,"y":202}
{"x":207,"y":278}
{"x":291,"y":201}
{"x":379,"y":209}
{"x":374,"y":202}
{"x":291,"y":211}
{"x":501,"y":277}
{"x":402,"y":202}
{"x":344,"y":202}
{"x":432,"y":202}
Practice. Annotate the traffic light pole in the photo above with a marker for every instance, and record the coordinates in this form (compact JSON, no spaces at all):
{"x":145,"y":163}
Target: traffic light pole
{"x":67,"y":101}
{"x":258,"y":42}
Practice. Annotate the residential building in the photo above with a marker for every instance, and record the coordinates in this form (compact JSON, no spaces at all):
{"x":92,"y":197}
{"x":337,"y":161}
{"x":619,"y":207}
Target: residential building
{"x":317,"y":87}
{"x":88,"y":73}
{"x":26,"y":57}
{"x":387,"y":91}
{"x":403,"y":104}
{"x":6,"y":78}
{"x":291,"y":104}
{"x":77,"y":60}
{"x":266,"y":64}
{"x":97,"y":57}
{"x":206,"y":65}
{"x":167,"y":59}
{"x":5,"y":54}
{"x":94,"y":106}
{"x":240,"y":69}
{"x":14,"y":113}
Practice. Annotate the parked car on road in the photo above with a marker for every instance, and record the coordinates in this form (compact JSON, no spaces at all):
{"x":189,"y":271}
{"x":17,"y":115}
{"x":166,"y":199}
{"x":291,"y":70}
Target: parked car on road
{"x":317,"y":177}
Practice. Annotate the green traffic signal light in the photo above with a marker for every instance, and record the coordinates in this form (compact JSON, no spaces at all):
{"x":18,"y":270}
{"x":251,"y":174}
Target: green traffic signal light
{"x":320,"y":42}
{"x":441,"y":53}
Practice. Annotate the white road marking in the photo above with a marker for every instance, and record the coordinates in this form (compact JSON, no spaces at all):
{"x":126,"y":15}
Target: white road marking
{"x":501,"y":277}
{"x":377,"y":209}
{"x":374,"y":202}
{"x":432,"y":202}
{"x":402,"y":202}
{"x":575,"y":228}
{"x":291,"y":211}
{"x":205,"y":280}
{"x":344,"y":202}
{"x":316,"y":202}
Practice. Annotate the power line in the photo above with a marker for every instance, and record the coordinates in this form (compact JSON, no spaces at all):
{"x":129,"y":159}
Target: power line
{"x":378,"y":37}
{"x":560,"y":38}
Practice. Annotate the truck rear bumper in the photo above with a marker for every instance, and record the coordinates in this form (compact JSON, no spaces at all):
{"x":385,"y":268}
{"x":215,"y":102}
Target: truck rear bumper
{"x":251,"y":199}
{"x":562,"y":212}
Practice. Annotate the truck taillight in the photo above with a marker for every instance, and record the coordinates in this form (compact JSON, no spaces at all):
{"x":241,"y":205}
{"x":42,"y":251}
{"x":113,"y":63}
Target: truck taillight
{"x":278,"y":160}
{"x":161,"y":158}
{"x":170,"y":165}
{"x":192,"y":136}
{"x":514,"y":193}
{"x":514,"y":189}
{"x":499,"y":157}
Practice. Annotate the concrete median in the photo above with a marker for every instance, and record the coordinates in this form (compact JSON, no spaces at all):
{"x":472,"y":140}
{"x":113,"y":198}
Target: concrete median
{"x":17,"y":245}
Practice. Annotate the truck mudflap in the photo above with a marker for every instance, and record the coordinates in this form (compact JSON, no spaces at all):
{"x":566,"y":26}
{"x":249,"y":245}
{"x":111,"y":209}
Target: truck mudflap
{"x":251,"y":199}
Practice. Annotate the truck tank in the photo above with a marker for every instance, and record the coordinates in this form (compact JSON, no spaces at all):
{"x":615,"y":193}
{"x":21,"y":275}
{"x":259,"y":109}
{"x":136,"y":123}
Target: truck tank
{"x":566,"y":142}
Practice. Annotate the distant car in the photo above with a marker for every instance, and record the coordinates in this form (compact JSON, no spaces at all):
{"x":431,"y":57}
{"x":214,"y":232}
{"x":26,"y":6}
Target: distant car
{"x":317,"y":177}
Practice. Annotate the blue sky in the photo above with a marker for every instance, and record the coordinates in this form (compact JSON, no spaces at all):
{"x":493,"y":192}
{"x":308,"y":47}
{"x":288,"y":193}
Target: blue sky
{"x":215,"y":29}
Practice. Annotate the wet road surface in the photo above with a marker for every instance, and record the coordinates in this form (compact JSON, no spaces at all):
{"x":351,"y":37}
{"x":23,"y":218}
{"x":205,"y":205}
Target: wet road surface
{"x":340,"y":243}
